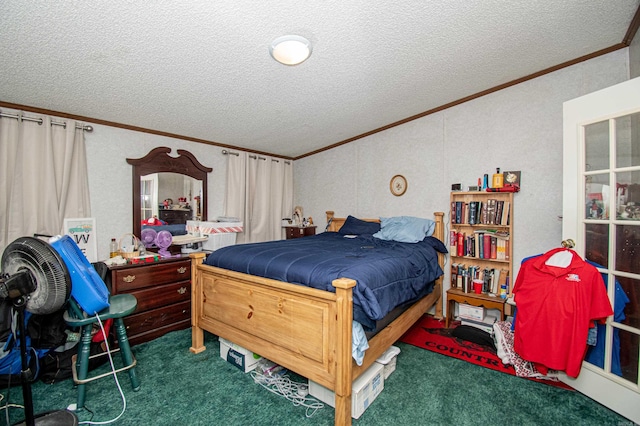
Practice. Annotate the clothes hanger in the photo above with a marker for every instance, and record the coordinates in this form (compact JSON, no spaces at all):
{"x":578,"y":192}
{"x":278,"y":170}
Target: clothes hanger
{"x":562,"y":258}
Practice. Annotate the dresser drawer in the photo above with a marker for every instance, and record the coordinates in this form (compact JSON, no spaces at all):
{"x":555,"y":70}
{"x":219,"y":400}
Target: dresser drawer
{"x":157,"y":318}
{"x":163,"y":295}
{"x":125,"y":280}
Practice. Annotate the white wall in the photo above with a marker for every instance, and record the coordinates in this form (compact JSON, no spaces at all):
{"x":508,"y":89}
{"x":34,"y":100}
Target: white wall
{"x":111,"y":183}
{"x":518,"y":128}
{"x":634,"y":58}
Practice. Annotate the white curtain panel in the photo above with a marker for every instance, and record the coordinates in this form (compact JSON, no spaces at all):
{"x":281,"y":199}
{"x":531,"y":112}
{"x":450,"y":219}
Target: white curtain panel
{"x":260,"y":192}
{"x":44,"y":177}
{"x":235,"y":195}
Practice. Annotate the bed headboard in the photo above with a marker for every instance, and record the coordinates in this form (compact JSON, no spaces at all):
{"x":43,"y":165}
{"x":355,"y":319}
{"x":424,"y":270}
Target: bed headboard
{"x":335,"y":223}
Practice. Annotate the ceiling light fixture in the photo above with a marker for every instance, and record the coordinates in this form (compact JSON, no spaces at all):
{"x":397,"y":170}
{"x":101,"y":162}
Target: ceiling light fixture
{"x":290,"y":49}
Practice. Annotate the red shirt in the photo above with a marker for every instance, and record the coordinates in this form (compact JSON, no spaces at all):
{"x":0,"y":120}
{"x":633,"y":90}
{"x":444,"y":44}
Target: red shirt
{"x":556,"y":306}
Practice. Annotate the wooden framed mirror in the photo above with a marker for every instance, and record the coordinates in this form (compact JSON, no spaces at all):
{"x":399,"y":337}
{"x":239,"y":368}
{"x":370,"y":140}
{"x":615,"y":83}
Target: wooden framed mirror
{"x":160,"y":177}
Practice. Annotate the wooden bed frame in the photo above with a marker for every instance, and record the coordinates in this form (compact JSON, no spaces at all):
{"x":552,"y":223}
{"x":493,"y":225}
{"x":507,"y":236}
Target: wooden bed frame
{"x":303,"y":329}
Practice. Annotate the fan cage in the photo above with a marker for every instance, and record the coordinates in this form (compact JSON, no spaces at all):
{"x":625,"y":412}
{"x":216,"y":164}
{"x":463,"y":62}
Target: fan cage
{"x":53,"y":283}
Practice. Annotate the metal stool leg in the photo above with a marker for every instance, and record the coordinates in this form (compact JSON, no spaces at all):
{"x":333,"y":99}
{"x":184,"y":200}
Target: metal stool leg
{"x":125,"y":352}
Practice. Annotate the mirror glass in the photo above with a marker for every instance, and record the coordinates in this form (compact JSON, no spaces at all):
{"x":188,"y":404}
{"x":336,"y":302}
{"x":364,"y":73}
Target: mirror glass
{"x":173,"y":189}
{"x":170,"y":197}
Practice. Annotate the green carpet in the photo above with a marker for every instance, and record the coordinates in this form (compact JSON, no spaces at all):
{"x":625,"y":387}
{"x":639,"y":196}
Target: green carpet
{"x":179,"y":387}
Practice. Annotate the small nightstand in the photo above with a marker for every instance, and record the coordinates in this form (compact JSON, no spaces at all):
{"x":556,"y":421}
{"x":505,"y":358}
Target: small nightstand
{"x":473,"y":299}
{"x":299,"y":231}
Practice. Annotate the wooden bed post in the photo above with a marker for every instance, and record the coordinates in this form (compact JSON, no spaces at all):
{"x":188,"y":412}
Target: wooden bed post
{"x":439,"y":233}
{"x":343,"y":378}
{"x":197,"y":334}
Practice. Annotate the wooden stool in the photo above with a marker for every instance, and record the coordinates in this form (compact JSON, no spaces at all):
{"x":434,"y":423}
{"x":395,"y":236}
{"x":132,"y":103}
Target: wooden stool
{"x":120,"y":306}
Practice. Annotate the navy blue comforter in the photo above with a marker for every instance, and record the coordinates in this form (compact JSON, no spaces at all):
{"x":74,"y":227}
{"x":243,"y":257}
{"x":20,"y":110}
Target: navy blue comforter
{"x":387,"y":273}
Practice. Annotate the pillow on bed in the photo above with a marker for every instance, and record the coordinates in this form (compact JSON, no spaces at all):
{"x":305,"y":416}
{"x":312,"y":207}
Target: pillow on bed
{"x":355,"y":226}
{"x":405,"y":229}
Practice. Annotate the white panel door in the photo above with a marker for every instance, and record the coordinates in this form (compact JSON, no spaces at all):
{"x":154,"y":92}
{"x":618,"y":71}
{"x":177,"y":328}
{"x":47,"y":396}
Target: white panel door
{"x":149,"y":196}
{"x":601,"y":213}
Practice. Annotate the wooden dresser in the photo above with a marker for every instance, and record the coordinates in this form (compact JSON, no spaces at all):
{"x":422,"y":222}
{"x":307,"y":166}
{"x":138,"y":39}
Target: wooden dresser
{"x":163,"y":290}
{"x":175,"y":216}
{"x":299,"y":231}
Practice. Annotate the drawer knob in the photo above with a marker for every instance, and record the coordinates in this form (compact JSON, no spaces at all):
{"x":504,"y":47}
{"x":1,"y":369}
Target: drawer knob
{"x":182,"y":290}
{"x":129,"y":278}
{"x":182,"y":270}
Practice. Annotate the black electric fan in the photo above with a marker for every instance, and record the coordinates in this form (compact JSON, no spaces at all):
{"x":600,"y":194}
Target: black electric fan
{"x":34,"y":277}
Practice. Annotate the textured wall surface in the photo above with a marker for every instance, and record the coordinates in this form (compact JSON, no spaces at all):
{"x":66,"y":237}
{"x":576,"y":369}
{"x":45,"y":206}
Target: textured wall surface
{"x":519,"y":128}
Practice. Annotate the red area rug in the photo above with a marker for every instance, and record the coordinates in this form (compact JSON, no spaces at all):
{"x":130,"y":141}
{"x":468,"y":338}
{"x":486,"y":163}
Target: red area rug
{"x":430,"y":334}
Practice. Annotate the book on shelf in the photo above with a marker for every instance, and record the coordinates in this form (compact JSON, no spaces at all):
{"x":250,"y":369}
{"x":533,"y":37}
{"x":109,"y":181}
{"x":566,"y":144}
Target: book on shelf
{"x":494,"y":247}
{"x":473,"y":212}
{"x":503,"y":235}
{"x":460,"y":243}
{"x":491,"y":211}
{"x":500,"y":255}
{"x":484,"y":213}
{"x":506,"y":211}
{"x":481,"y":244}
{"x":454,"y":275}
{"x":486,"y":246}
{"x":487,"y":278}
{"x":452,"y":215}
{"x":471,"y":245}
{"x":459,"y":211}
{"x":462,"y":277}
{"x":499,"y":207}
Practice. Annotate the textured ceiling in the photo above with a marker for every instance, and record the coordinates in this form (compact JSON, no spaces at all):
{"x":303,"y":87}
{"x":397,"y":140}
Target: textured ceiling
{"x":202,"y":68}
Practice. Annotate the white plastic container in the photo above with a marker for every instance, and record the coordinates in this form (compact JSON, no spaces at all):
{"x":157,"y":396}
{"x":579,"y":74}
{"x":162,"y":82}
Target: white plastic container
{"x":219,"y":234}
{"x":365,"y":390}
{"x":388,"y":360}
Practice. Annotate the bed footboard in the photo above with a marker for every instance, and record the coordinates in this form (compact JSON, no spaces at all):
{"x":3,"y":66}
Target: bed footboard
{"x":303,"y":329}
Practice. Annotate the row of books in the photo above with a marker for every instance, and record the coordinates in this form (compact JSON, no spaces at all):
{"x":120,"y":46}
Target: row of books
{"x":491,"y":212}
{"x":493,"y":279}
{"x":481,"y":244}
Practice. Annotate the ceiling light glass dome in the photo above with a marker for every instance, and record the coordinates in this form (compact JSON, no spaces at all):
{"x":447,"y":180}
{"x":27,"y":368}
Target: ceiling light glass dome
{"x":290,"y":49}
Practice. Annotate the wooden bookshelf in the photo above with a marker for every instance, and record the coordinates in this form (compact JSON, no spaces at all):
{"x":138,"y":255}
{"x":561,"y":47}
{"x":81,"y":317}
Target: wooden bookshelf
{"x":481,"y":247}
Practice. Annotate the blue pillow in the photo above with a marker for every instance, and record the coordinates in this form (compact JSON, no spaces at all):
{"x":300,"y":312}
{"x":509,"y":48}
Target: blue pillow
{"x":405,"y":229}
{"x":355,"y":226}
